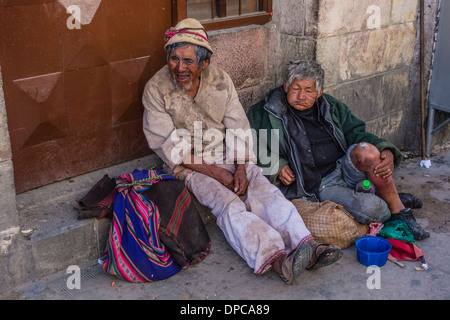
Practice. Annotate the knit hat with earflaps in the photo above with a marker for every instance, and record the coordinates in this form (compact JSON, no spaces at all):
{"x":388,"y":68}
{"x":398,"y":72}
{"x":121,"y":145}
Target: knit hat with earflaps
{"x":188,"y":30}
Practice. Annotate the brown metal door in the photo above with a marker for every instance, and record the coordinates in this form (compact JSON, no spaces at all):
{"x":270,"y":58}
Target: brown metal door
{"x":73,"y":76}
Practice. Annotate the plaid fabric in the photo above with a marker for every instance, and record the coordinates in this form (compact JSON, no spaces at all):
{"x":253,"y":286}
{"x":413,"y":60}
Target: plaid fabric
{"x":330,"y":223}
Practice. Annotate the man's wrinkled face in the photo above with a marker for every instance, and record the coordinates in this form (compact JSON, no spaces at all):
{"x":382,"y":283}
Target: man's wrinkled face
{"x":183,"y":65}
{"x":302,"y":94}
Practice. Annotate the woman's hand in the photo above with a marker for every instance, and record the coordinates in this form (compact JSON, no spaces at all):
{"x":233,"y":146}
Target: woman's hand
{"x":386,"y":167}
{"x":286,"y":175}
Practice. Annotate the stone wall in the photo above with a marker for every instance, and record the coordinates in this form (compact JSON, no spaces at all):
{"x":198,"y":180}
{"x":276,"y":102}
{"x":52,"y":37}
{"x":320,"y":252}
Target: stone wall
{"x":256,"y":56}
{"x":366,"y":48}
{"x":245,"y":54}
{"x":11,"y":243}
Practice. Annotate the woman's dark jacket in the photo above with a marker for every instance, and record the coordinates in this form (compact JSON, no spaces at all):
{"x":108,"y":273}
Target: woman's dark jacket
{"x":271,"y":113}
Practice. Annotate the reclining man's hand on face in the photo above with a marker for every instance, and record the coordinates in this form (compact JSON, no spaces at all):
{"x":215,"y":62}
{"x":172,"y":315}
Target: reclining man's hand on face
{"x":386,"y":166}
{"x":286,"y":175}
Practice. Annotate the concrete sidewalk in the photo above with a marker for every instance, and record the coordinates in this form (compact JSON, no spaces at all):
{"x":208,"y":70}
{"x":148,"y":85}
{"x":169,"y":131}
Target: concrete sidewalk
{"x":223,"y":275}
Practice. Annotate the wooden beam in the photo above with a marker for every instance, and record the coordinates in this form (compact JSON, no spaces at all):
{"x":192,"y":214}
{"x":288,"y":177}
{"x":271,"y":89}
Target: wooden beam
{"x":221,"y":8}
{"x":245,"y":20}
{"x":179,"y":11}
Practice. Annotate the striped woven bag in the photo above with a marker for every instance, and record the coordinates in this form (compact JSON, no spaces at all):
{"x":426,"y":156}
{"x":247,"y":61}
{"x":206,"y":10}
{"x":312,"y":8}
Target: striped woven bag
{"x":134,"y":250}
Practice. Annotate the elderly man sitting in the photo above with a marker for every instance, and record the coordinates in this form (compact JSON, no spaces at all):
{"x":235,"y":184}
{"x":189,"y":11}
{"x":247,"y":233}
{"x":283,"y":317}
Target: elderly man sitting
{"x":324,"y":150}
{"x":191,"y":108}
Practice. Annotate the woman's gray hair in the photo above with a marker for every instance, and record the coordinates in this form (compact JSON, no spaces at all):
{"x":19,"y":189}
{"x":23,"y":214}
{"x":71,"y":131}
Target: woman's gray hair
{"x":203,"y":53}
{"x":305,"y":70}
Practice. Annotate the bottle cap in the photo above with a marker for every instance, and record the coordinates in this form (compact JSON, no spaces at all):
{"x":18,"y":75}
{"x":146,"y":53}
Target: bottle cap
{"x":366,"y":184}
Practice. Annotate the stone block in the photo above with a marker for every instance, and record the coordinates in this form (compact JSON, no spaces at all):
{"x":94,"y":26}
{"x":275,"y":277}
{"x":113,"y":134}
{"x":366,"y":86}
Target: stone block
{"x":5,"y":147}
{"x":400,"y":47}
{"x":380,"y":101}
{"x":13,"y":261}
{"x":389,"y":127}
{"x":8,"y":210}
{"x":370,"y":52}
{"x":272,"y":52}
{"x":395,"y":89}
{"x":72,"y":246}
{"x":288,"y":9}
{"x":294,"y":48}
{"x":327,"y":54}
{"x":340,"y":17}
{"x":363,"y":97}
{"x":241,"y":53}
{"x":311,"y":18}
{"x":362,"y":54}
{"x":404,"y":11}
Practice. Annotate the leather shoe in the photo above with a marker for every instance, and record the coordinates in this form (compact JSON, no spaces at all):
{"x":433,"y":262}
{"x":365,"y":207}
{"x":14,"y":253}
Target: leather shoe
{"x":295,"y":262}
{"x":406,"y":216}
{"x":410,"y":201}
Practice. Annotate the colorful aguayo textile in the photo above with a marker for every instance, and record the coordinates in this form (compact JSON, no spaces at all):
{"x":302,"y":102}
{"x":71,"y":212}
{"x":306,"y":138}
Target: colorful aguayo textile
{"x":134,"y":250}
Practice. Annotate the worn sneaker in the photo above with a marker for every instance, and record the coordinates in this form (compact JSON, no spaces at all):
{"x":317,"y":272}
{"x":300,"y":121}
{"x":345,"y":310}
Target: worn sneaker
{"x":410,"y":201}
{"x":323,"y":255}
{"x":295,"y":262}
{"x":406,"y":216}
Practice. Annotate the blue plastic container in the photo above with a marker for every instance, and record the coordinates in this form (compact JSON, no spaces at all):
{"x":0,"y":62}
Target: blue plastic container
{"x":373,"y":251}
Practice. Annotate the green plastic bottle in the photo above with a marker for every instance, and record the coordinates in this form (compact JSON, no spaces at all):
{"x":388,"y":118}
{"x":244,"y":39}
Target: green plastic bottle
{"x":365,"y":186}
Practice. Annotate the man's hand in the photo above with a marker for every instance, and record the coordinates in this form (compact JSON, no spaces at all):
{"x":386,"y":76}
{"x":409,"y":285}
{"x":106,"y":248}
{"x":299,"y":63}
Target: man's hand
{"x":236,"y":182}
{"x":286,"y":175}
{"x":386,"y":167}
{"x":224,"y":176}
{"x":240,"y":180}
